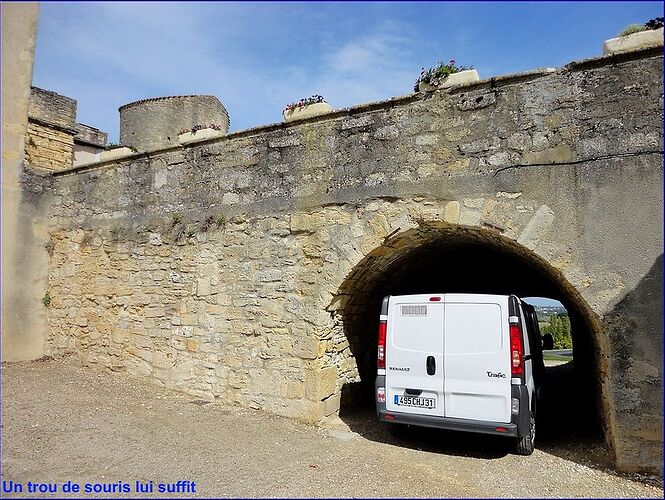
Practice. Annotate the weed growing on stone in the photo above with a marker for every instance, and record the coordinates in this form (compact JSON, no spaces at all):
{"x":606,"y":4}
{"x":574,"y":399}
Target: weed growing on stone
{"x":179,"y":231}
{"x":220,"y":221}
{"x":206,"y":223}
{"x":176,"y":219}
{"x":632,"y":28}
{"x":651,"y":24}
{"x":46,"y":300}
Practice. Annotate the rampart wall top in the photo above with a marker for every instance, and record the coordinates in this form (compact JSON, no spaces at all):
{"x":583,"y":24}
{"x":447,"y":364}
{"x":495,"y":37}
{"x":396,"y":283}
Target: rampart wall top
{"x":154,"y":123}
{"x":86,"y":134}
{"x":52,"y":108}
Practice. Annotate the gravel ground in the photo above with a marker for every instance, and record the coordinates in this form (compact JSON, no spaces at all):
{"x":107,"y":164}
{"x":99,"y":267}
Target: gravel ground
{"x":62,"y":422}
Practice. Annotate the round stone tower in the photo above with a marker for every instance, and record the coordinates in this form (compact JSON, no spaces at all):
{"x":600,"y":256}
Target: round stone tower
{"x":155,"y":123}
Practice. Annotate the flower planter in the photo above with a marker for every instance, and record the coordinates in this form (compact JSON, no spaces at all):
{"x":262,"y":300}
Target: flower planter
{"x":113,"y":154}
{"x":635,"y":41}
{"x":301,"y":112}
{"x":199,"y":135}
{"x":459,"y":78}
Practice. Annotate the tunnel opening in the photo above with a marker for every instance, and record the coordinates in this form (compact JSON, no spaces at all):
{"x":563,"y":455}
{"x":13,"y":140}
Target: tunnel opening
{"x":456,"y":259}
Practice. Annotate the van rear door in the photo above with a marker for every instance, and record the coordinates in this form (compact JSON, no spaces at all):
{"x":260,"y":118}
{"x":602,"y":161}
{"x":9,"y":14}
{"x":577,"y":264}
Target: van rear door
{"x":477,"y":357}
{"x":414,"y":347}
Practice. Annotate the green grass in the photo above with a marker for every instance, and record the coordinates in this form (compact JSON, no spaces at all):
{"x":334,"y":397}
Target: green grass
{"x":632,"y":28}
{"x":556,"y":357}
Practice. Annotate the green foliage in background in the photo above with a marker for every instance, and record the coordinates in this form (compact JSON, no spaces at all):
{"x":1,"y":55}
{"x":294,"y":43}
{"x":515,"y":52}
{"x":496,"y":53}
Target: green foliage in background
{"x":559,"y":328}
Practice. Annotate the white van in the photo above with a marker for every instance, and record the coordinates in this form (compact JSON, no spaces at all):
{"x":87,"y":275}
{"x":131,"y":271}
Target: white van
{"x":464,"y":362}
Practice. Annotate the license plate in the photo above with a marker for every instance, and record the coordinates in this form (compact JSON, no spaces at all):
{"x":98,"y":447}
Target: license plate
{"x":415,"y":401}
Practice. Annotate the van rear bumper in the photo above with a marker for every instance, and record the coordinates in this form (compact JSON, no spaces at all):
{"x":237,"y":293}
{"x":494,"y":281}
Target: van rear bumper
{"x":449,"y":423}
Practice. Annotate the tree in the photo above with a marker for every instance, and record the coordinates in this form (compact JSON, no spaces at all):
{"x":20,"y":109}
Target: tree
{"x":559,"y":328}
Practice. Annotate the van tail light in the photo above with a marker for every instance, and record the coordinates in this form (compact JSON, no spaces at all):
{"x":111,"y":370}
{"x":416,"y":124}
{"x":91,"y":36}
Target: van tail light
{"x":381,"y":351}
{"x":516,"y":351}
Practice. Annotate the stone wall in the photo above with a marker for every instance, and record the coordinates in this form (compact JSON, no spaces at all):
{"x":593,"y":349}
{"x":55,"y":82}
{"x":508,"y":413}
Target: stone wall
{"x":51,"y":130}
{"x":155,"y":123}
{"x":233,"y":268}
{"x":24,"y":261}
{"x":48,"y":147}
{"x":52,"y":108}
{"x":85,"y":134}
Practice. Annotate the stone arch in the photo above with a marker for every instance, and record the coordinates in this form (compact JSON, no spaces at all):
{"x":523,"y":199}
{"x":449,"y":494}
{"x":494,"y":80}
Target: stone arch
{"x":438,"y":256}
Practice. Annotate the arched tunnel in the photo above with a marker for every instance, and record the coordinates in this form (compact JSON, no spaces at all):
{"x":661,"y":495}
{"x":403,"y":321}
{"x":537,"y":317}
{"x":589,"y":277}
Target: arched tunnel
{"x":448,"y":258}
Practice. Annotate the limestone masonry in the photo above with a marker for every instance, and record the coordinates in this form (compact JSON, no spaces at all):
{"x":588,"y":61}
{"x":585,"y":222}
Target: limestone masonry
{"x":51,"y":130}
{"x":250,"y":268}
{"x":156,"y":123}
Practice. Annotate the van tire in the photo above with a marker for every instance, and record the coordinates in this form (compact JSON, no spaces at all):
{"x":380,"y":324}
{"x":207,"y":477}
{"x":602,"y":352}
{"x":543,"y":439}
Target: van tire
{"x":525,"y":445}
{"x":396,"y":430}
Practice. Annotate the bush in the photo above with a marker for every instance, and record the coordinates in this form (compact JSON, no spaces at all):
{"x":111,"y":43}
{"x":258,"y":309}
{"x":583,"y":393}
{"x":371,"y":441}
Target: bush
{"x":632,"y":28}
{"x":651,"y":24}
{"x":559,"y":328}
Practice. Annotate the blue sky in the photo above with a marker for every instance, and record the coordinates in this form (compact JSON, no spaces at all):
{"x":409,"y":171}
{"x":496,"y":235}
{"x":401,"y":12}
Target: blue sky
{"x":258,"y":57}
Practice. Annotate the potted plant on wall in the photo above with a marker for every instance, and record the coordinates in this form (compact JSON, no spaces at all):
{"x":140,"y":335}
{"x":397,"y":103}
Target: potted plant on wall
{"x":304,"y":108}
{"x":636,"y":36}
{"x":444,"y":75}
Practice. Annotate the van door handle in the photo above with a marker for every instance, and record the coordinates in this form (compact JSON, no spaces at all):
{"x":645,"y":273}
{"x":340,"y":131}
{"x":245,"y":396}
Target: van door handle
{"x":413,"y":392}
{"x":431,"y":365}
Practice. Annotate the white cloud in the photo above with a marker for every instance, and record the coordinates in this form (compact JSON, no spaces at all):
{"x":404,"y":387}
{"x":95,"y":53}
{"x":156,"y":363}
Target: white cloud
{"x":108,"y":54}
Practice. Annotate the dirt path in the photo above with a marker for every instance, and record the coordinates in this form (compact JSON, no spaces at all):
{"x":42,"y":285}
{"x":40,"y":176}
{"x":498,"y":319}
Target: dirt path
{"x":62,"y":422}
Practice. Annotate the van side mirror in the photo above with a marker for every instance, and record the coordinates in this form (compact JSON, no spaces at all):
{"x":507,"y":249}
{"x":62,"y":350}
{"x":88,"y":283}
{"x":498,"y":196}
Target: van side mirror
{"x":548,"y":342}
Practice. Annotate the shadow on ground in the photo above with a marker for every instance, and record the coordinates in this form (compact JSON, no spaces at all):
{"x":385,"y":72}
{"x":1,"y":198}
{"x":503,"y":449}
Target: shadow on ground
{"x":362,"y":420}
{"x":567,"y":427}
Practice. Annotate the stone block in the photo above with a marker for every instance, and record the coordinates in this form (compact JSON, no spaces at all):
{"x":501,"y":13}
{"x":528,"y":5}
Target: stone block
{"x":292,"y":389}
{"x":427,"y":140}
{"x":387,"y":133}
{"x":320,"y":384}
{"x":537,"y":227}
{"x":203,"y":286}
{"x":331,"y":405}
{"x":558,"y":154}
{"x":452,"y":212}
{"x":469,"y":217}
{"x":360,"y":122}
{"x":306,"y":348}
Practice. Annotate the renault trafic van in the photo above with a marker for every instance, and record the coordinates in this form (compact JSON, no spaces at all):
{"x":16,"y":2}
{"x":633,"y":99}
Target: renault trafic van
{"x":466,"y":362}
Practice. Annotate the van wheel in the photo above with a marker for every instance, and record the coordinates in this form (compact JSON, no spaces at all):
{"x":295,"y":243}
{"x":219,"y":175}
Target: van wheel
{"x":396,"y":430}
{"x":525,"y":445}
